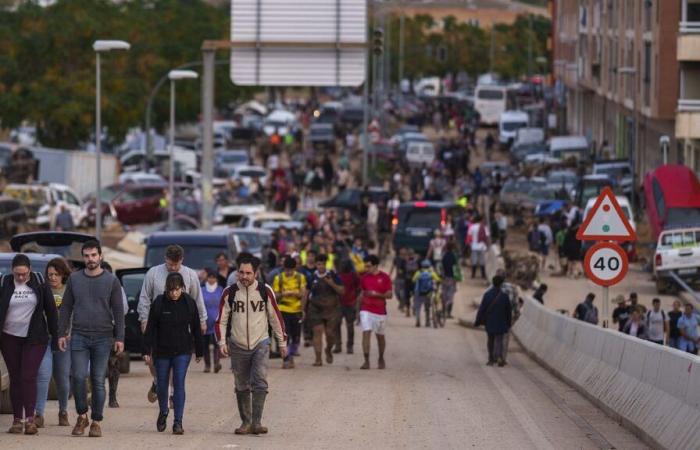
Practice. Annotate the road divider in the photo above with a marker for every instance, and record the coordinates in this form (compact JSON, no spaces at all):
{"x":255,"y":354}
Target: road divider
{"x":651,"y":389}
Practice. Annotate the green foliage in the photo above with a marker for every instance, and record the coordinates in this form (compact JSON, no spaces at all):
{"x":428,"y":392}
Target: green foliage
{"x":47,"y":65}
{"x":467,"y":47}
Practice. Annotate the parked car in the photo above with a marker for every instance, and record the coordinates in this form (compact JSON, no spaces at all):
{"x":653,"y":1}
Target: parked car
{"x":42,"y":202}
{"x":280,"y":121}
{"x":569,"y":147}
{"x":672,"y":194}
{"x":251,"y":240}
{"x":247,"y":173}
{"x":227,"y":160}
{"x":13,"y":216}
{"x":256,"y":220}
{"x":509,"y":124}
{"x":419,"y":154}
{"x":416,"y":223}
{"x":619,"y":170}
{"x":63,"y":243}
{"x":351,"y":117}
{"x":352,"y":198}
{"x":273,"y":225}
{"x":141,"y":178}
{"x":529,"y":135}
{"x":519,"y":152}
{"x":232,"y":213}
{"x":514,"y":192}
{"x":201,"y":247}
{"x":590,"y":186}
{"x":677,"y":251}
{"x":322,"y":135}
{"x":562,"y":180}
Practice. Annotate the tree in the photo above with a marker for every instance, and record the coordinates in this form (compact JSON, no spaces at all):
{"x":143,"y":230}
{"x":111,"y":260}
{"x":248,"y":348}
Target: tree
{"x":47,"y":65}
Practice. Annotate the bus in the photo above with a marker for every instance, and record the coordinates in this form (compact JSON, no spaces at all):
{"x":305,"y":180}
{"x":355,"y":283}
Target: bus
{"x":490,"y":101}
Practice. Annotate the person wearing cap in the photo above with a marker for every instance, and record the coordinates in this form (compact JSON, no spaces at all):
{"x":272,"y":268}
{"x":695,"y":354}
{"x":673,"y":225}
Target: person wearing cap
{"x":621,"y":314}
{"x":425,"y":283}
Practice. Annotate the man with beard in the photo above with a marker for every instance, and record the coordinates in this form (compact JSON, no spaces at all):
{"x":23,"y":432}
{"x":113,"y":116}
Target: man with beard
{"x":93,"y":311}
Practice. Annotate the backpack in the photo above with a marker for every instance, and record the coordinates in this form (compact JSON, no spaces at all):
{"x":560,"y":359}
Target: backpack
{"x":411,"y":266}
{"x":424,"y":284}
{"x":590,"y":315}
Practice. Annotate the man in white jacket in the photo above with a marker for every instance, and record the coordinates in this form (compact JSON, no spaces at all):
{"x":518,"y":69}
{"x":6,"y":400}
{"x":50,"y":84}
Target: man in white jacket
{"x":246,"y":312}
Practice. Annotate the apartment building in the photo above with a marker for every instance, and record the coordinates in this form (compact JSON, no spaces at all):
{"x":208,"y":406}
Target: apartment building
{"x":616,"y":62}
{"x":688,"y":116}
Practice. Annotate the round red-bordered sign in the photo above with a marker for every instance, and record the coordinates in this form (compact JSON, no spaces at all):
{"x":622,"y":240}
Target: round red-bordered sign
{"x":606,"y":264}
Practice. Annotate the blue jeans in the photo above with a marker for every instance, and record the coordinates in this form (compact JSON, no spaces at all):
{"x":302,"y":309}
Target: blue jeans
{"x":58,"y":365}
{"x":89,"y":356}
{"x":179,"y":366}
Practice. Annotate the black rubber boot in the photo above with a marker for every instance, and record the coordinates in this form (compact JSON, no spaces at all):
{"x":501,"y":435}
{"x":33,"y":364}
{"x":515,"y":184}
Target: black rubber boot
{"x":244,"y":409}
{"x":258,"y":406}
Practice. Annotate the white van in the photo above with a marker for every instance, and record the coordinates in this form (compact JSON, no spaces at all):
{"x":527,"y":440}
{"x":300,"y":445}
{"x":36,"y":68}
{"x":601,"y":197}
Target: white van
{"x":509,"y":124}
{"x":528,"y":136}
{"x":567,"y":147}
{"x":419,"y":153}
{"x":490,"y":102}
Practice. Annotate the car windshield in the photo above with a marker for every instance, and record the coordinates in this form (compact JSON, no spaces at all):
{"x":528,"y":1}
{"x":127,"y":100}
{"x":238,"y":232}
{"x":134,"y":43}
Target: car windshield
{"x":107,"y":194}
{"x":421,"y":218}
{"x":614,"y":171}
{"x":490,"y":94}
{"x":683,"y":216}
{"x":232,"y":158}
{"x":679,"y":239}
{"x":249,"y":241}
{"x":512,"y":126}
{"x":196,"y":256}
{"x":251,"y":173}
{"x":132,"y":283}
{"x":542,"y":194}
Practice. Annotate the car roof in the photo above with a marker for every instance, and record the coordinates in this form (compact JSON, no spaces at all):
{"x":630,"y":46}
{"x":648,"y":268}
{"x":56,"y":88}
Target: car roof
{"x":249,"y":167}
{"x":235,"y":151}
{"x":422,"y":204}
{"x":680,"y":185}
{"x":568,"y":142}
{"x":270,"y":215}
{"x":162,"y":238}
{"x":513,"y":115}
{"x":44,"y":257}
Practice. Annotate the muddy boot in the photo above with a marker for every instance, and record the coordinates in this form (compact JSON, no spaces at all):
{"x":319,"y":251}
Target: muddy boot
{"x":258,"y":406}
{"x":244,"y":409}
{"x":113,"y":393}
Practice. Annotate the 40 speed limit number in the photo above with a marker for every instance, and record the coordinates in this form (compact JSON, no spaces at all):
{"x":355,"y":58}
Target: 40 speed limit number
{"x":606,"y":264}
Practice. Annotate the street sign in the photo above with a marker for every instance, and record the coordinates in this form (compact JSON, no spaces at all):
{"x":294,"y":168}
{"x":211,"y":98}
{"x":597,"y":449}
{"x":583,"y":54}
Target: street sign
{"x":606,"y":221}
{"x":606,"y":264}
{"x":288,"y":43}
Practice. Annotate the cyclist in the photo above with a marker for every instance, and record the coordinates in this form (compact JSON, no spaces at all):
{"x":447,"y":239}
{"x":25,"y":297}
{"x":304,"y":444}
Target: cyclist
{"x":425,"y":283}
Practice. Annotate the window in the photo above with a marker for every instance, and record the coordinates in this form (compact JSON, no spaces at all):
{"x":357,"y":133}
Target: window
{"x":647,"y":73}
{"x":486,"y":94}
{"x":659,"y":197}
{"x":693,"y":11}
{"x":648,"y":8}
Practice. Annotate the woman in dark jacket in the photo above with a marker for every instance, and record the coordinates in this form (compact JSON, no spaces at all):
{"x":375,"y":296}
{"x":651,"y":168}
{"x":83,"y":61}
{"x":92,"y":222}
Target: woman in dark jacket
{"x":27,"y":311}
{"x":173,"y":329}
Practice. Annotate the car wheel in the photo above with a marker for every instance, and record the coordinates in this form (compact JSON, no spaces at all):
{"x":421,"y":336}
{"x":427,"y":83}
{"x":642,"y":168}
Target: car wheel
{"x":124,"y":362}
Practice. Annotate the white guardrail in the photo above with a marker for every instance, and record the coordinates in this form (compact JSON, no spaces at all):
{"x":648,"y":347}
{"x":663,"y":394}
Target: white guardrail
{"x":651,"y":389}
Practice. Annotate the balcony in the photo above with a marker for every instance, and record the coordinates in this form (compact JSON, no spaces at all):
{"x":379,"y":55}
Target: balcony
{"x":689,"y":31}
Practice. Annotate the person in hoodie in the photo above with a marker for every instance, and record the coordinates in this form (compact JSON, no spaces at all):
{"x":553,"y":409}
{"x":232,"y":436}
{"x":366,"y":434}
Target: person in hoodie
{"x":211,"y":291}
{"x":246,"y":311}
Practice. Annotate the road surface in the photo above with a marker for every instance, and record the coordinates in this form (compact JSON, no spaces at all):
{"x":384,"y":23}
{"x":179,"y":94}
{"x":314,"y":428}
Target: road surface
{"x":435,"y":393}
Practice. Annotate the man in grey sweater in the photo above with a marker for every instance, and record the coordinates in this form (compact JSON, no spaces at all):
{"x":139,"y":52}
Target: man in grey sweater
{"x":93,"y":311}
{"x":154,"y":285}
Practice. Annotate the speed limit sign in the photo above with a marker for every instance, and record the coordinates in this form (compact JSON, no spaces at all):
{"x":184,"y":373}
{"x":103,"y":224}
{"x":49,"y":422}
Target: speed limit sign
{"x":606,"y":264}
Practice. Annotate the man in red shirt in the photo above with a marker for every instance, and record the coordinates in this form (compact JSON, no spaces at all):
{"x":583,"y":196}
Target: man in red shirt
{"x":376,"y":289}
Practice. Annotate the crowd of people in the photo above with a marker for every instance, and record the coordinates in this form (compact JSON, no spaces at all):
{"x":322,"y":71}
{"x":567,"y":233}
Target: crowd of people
{"x":677,"y":328}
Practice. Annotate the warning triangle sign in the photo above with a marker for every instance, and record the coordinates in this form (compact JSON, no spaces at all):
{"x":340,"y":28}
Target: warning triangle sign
{"x":606,"y":221}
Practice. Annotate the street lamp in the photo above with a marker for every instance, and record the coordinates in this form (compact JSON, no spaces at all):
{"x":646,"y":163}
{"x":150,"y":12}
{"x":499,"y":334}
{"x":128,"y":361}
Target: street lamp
{"x":99,"y":47}
{"x":174,"y":75}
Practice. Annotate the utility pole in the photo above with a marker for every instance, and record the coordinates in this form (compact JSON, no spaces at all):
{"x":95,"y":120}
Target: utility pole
{"x":492,"y":50}
{"x":529,"y":47}
{"x":401,"y":54}
{"x":365,"y":109}
{"x":208,"y":55}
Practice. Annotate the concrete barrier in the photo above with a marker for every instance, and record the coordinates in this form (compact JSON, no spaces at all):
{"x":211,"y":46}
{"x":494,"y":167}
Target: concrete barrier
{"x":650,"y":389}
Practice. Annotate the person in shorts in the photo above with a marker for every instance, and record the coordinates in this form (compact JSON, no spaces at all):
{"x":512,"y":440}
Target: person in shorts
{"x":376,"y":290}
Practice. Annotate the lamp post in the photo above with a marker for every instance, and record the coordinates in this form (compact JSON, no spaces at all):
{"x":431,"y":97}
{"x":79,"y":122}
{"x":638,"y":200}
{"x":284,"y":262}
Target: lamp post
{"x":173,"y":76}
{"x":99,"y":47}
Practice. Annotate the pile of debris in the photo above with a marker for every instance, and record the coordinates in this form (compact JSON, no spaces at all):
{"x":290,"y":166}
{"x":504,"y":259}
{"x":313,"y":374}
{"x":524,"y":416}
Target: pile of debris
{"x":522,"y":267}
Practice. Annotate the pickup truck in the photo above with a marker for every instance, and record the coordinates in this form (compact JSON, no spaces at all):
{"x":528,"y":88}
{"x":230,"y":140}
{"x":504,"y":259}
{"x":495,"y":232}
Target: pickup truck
{"x":677,"y":251}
